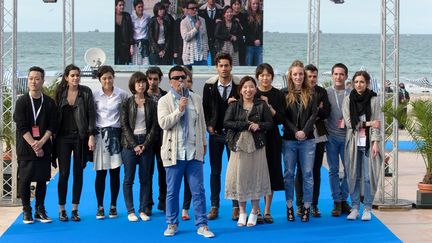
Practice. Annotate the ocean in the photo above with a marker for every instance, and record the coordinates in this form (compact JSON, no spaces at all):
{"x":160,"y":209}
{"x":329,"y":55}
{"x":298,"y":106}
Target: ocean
{"x":280,"y":49}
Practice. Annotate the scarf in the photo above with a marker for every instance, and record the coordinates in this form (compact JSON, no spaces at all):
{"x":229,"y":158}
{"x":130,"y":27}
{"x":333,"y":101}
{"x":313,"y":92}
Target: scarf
{"x":360,"y":104}
{"x":184,"y":119}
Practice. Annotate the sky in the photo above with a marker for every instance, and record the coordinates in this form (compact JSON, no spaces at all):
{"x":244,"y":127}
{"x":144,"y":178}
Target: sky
{"x":289,"y":16}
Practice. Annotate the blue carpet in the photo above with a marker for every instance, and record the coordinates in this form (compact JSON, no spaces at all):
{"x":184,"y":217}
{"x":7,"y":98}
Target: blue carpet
{"x":403,"y":146}
{"x":324,"y":229}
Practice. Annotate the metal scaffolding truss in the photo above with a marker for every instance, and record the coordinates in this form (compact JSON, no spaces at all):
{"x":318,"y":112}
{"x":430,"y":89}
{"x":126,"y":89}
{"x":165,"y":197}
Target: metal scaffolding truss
{"x":313,"y":33}
{"x":68,"y":32}
{"x":8,"y":76}
{"x":388,"y":191}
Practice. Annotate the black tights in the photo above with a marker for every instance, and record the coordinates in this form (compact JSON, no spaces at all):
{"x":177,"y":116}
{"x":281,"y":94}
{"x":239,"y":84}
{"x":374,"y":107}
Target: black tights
{"x":25,"y":193}
{"x":114,"y":184}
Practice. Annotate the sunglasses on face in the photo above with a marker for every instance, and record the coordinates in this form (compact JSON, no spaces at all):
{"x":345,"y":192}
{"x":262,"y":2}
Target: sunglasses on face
{"x":193,"y":8}
{"x":183,"y":77}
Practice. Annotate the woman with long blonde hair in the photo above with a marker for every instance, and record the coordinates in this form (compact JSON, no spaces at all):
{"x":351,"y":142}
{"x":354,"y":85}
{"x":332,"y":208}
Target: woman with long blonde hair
{"x":298,"y":139}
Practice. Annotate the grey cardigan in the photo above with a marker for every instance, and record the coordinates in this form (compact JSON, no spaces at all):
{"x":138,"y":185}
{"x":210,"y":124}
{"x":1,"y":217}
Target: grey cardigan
{"x":351,"y":146}
{"x":169,"y":121}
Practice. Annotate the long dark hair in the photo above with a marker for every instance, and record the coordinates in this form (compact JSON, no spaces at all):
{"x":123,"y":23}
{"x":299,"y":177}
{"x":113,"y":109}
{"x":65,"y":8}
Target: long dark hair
{"x":62,"y":86}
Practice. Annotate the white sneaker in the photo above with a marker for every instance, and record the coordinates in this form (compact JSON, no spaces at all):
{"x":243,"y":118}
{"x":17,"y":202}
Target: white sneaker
{"x":144,"y":216}
{"x":171,"y":230}
{"x":205,"y":231}
{"x":132,"y":217}
{"x":354,"y":214}
{"x":366,"y":215}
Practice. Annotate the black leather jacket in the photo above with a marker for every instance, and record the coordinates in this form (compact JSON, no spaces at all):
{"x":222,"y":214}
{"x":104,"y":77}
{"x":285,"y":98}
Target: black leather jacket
{"x":153,"y":31}
{"x":324,"y":111}
{"x":128,"y":118}
{"x":84,"y":112}
{"x":235,"y":122}
{"x":300,"y":118}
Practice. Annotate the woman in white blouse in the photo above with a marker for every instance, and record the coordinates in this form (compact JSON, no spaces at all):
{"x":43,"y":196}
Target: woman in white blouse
{"x":107,"y":153}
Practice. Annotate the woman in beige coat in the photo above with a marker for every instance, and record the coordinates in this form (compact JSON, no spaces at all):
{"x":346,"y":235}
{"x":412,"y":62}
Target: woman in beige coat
{"x":361,"y":112}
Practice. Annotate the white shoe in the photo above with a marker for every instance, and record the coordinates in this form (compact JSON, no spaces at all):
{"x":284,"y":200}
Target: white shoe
{"x":144,"y":216}
{"x":354,"y":214}
{"x":205,"y":231}
{"x":171,"y":230}
{"x":252,"y":220}
{"x":366,"y":215}
{"x":132,"y":217}
{"x":242,"y":220}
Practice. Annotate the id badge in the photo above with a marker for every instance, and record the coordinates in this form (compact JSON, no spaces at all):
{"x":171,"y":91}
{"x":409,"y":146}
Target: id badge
{"x":35,"y":131}
{"x":341,"y":123}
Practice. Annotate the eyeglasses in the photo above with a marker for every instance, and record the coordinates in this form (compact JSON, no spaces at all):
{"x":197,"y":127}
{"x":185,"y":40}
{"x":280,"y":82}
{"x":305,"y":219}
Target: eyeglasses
{"x":193,"y":8}
{"x":183,"y":77}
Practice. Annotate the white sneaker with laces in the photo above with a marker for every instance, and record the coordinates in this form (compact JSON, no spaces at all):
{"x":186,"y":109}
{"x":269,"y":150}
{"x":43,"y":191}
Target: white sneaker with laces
{"x":132,"y":217}
{"x":354,"y":214}
{"x":144,"y":217}
{"x":171,"y":230}
{"x":366,"y":215}
{"x":205,"y":231}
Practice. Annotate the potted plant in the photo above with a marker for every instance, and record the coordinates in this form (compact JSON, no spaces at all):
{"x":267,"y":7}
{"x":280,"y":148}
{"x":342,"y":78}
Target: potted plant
{"x":418,"y":123}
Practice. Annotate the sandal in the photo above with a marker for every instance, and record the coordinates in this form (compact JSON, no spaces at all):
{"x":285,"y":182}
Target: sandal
{"x":185,"y":215}
{"x":260,"y":219}
{"x":242,"y":220}
{"x":305,"y":215}
{"x":268,"y":218}
{"x":252,"y":220}
{"x":290,"y":214}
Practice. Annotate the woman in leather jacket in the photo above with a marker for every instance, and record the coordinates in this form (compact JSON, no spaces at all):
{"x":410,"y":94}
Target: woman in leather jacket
{"x":247,"y":176}
{"x":76,"y":130}
{"x":123,"y":33}
{"x":159,"y":37}
{"x":298,"y":139}
{"x":139,"y":130}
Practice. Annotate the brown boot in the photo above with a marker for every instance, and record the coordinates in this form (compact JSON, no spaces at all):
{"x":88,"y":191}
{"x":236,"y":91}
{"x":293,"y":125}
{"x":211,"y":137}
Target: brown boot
{"x":315,"y":211}
{"x":213,"y":214}
{"x":346,"y":208}
{"x":235,"y":213}
{"x":337,"y":209}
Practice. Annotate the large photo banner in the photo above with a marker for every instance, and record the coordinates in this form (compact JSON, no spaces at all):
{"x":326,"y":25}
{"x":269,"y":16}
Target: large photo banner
{"x":188,"y":32}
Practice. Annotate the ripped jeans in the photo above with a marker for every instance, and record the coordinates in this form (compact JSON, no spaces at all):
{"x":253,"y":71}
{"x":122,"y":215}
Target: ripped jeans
{"x":303,"y":151}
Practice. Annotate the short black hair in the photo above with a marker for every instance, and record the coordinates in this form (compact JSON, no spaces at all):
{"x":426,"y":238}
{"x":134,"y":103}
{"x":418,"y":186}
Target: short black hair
{"x":311,"y":67}
{"x":104,"y":69}
{"x":191,"y":2}
{"x":223,"y":55}
{"x":340,"y":65}
{"x":37,"y":69}
{"x":264,"y":66}
{"x":136,"y":2}
{"x":157,"y":7}
{"x":154,"y":70}
{"x":176,"y":68}
{"x":135,"y":78}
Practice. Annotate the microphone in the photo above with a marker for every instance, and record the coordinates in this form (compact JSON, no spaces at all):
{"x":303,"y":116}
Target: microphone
{"x":183,"y":90}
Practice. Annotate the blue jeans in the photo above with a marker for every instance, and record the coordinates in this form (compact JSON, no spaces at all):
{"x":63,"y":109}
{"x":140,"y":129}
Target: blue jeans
{"x":193,"y":169}
{"x":303,"y":151}
{"x":130,"y":160}
{"x":362,"y":168}
{"x":254,"y":55}
{"x":336,"y":149}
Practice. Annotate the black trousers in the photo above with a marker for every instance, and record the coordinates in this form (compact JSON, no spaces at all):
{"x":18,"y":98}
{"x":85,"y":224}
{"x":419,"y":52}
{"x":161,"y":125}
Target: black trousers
{"x":161,"y":177}
{"x":114,"y":185}
{"x":65,"y":147}
{"x":24,"y":186}
{"x":187,"y":195}
{"x":319,"y":154}
{"x":217,"y":143}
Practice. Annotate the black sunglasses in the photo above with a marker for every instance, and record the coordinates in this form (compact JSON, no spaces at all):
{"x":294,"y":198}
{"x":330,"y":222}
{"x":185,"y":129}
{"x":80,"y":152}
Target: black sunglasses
{"x":183,"y":77}
{"x":193,"y":8}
